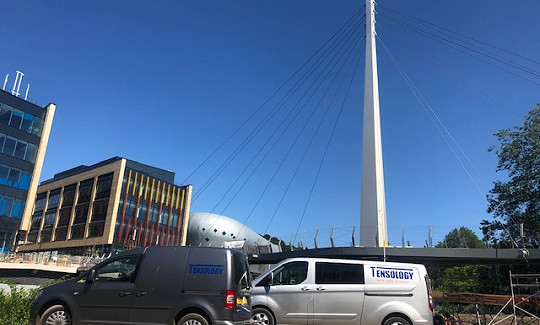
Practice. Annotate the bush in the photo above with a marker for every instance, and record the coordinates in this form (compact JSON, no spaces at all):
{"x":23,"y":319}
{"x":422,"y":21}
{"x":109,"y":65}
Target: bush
{"x":15,"y":306}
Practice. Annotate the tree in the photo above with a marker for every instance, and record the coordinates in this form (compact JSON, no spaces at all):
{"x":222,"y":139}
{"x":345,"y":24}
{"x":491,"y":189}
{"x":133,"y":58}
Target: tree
{"x":466,"y":278}
{"x":516,"y":200}
{"x":461,"y":238}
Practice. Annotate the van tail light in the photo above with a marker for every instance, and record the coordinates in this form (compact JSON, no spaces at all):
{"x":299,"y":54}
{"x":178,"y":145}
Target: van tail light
{"x":229,"y":299}
{"x":429,"y":292}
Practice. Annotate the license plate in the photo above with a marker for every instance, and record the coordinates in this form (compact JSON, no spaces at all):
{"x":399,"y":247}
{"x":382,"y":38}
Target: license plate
{"x":241,"y":301}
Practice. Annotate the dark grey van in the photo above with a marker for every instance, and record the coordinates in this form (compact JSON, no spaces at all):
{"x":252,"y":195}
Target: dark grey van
{"x":153,"y":285}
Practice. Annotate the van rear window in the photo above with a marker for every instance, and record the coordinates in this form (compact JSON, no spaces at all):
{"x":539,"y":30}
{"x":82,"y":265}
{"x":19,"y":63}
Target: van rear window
{"x":339,"y":273}
{"x":241,"y":271}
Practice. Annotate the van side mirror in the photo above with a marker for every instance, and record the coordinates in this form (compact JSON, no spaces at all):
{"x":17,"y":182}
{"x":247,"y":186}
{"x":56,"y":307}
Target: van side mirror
{"x":91,"y":276}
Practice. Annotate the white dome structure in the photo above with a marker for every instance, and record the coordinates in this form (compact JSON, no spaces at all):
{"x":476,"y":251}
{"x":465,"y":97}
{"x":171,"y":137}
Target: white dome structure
{"x":210,"y":229}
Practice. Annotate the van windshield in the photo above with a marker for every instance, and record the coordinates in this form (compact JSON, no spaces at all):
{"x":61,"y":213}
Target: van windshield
{"x":242,"y":276}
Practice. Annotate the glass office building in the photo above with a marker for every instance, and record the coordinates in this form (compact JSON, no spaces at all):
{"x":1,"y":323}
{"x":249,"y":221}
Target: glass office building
{"x":24,"y":134}
{"x":110,"y":206}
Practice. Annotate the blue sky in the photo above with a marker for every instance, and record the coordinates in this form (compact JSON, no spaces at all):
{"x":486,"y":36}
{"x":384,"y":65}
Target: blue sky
{"x":164,"y":83}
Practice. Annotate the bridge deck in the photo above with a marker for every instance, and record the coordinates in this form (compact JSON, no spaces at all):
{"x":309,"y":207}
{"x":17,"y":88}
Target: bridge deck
{"x":430,"y":256}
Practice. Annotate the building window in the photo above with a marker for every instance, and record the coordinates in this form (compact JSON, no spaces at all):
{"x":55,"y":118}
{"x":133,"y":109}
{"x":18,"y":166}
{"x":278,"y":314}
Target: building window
{"x":20,"y":150}
{"x":9,"y":146}
{"x":77,"y":231}
{"x":17,"y":148}
{"x":97,"y":222}
{"x":54,"y":198}
{"x":5,"y":239}
{"x":6,"y":205}
{"x":69,"y":195}
{"x":37,"y":126}
{"x":154,"y":209}
{"x":31,"y":153}
{"x":174,"y":218}
{"x":23,"y":121}
{"x":130,"y":207}
{"x":34,"y":229}
{"x":4,"y":172}
{"x":16,"y":119}
{"x":18,"y":209}
{"x":103,"y":186}
{"x":14,"y":178}
{"x":27,"y":122}
{"x":40,"y":202}
{"x":164,"y":218}
{"x":46,"y":232}
{"x":24,"y":182}
{"x":143,"y":210}
{"x":10,"y":207}
{"x":85,"y":190}
{"x":5,"y":114}
{"x":79,"y":222}
{"x":63,"y":223}
{"x":99,"y":211}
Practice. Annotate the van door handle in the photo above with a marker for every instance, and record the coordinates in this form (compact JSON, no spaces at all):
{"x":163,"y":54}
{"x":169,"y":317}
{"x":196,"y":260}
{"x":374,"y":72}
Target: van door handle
{"x":304,"y":289}
{"x":124,"y":293}
{"x":140,"y":293}
{"x":320,"y":289}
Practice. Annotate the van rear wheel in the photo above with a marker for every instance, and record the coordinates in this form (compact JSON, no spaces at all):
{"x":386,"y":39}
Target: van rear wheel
{"x":396,"y":320}
{"x":262,"y":316}
{"x":192,"y":319}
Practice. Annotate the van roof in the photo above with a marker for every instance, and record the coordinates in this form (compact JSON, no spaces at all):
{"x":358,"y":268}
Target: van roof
{"x":350,"y":260}
{"x":142,"y":250}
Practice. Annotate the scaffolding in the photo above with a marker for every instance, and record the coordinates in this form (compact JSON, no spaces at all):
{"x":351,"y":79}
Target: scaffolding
{"x":525,"y":301}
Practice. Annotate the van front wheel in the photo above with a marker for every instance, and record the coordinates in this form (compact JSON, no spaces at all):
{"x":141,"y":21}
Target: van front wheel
{"x":56,"y":314}
{"x":396,"y":320}
{"x":262,"y":316}
{"x":192,"y":319}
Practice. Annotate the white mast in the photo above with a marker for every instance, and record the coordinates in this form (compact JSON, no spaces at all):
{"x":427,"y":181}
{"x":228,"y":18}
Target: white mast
{"x":373,"y":209}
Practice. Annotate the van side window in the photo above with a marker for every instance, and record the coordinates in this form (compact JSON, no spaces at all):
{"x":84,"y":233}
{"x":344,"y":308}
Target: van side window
{"x":291,"y":273}
{"x":339,"y":273}
{"x":121,"y":270}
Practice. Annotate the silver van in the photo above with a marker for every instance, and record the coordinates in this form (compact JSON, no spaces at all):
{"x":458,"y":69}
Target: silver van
{"x":337,"y":291}
{"x":153,"y":285}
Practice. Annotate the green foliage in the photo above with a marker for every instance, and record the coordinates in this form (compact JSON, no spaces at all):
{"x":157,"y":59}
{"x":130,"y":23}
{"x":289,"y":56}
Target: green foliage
{"x":461,"y":237}
{"x":15,"y":306}
{"x":461,"y":278}
{"x":472,"y":278}
{"x":467,"y":278}
{"x":518,"y":199}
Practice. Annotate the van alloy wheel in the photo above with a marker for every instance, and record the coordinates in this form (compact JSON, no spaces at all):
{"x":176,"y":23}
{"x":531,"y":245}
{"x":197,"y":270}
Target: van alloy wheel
{"x":192,"y":322}
{"x":56,"y":315}
{"x":192,"y":319}
{"x":59,"y":317}
{"x":262,"y":316}
{"x":396,"y":320}
{"x":260,"y":319}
